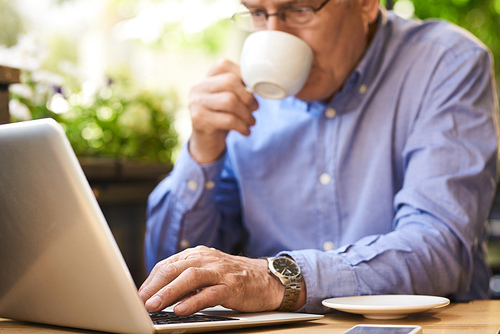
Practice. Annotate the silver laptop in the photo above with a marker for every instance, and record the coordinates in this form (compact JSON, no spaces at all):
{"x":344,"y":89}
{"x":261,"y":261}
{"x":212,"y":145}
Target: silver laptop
{"x":59,"y":262}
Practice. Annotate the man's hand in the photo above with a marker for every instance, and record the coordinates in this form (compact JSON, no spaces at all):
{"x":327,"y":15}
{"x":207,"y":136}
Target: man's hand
{"x":219,"y":103}
{"x":209,"y":278}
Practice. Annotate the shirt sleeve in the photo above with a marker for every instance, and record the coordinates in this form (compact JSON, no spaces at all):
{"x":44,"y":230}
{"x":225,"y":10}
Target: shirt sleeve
{"x":182,"y":210}
{"x":450,"y":175}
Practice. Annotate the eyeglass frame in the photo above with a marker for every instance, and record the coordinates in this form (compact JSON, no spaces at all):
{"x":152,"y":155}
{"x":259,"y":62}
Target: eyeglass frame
{"x":280,"y":12}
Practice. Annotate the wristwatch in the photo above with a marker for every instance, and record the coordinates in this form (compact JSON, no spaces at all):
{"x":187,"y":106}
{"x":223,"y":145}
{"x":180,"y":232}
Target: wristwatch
{"x":285,"y":270}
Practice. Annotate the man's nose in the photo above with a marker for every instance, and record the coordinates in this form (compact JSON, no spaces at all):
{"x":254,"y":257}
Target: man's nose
{"x":275,"y":23}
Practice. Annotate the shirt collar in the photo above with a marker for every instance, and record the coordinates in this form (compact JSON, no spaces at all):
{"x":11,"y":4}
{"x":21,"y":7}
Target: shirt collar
{"x":315,"y":107}
{"x":361,"y":79}
{"x":372,"y":59}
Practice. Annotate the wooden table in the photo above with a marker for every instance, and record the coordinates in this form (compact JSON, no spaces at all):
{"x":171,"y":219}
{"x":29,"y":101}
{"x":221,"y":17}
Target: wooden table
{"x":474,"y":317}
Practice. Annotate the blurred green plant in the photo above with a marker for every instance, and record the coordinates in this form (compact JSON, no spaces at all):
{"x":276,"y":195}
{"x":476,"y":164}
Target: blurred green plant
{"x":197,"y":25}
{"x":118,"y":120}
{"x":210,"y":40}
{"x":10,"y":23}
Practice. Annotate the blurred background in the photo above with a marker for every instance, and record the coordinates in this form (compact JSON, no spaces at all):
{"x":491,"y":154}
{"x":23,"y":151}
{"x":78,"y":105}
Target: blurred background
{"x":112,"y":69}
{"x":116,"y":74}
{"x":95,"y":64}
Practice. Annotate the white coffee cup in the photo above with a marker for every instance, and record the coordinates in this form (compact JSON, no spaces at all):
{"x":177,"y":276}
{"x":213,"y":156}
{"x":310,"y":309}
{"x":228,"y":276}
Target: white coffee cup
{"x":275,"y":64}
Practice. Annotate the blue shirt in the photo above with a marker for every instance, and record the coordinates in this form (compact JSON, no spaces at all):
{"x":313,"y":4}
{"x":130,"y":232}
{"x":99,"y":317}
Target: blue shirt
{"x":384,"y":189}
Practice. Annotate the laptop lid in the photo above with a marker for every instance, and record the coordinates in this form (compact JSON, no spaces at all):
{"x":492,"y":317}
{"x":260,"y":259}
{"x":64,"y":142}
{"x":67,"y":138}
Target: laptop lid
{"x":60,"y":264}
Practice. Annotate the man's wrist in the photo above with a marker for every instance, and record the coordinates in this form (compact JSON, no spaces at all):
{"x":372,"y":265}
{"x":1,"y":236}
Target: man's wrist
{"x":287,"y":272}
{"x":302,"y":296}
{"x":206,"y":153}
{"x":275,"y":289}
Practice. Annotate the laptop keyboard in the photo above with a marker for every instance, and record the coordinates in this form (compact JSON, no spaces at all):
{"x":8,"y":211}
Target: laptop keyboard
{"x":164,"y":318}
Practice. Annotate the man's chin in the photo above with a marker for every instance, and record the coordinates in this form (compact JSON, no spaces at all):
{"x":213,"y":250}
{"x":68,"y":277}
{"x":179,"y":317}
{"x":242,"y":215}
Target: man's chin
{"x":311,"y":94}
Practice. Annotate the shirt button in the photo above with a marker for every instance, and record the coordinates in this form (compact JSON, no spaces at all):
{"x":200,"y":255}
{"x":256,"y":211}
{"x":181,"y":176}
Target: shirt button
{"x":185,"y":244}
{"x":192,"y":185}
{"x":324,"y":179}
{"x":362,"y":89}
{"x":330,"y":112}
{"x":328,"y":246}
{"x":210,"y":185}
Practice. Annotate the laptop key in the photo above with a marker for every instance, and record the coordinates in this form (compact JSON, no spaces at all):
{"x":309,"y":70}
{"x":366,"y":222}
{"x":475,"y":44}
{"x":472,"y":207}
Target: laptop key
{"x":163,"y":318}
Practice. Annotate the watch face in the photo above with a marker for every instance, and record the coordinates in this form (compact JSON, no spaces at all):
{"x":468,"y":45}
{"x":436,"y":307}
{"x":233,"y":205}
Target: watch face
{"x":286,"y":266}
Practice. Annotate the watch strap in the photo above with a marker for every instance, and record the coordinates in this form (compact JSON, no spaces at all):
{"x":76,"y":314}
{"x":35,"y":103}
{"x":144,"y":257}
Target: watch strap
{"x":292,"y":288}
{"x":292,"y":293}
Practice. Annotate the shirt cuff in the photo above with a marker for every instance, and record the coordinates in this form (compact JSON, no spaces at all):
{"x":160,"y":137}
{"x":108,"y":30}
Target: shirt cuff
{"x":325,"y":274}
{"x":191,"y":180}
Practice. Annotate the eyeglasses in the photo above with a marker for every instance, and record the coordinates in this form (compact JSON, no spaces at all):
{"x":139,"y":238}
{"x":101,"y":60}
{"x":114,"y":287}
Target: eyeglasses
{"x":293,"y":16}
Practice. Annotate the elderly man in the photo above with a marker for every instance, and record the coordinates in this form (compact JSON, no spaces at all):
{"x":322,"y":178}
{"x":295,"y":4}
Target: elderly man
{"x":376,"y":178}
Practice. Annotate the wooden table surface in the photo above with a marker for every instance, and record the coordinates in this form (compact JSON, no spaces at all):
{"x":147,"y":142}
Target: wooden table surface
{"x":474,"y":317}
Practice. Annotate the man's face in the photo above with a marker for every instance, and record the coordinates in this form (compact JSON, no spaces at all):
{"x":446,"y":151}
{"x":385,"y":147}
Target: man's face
{"x":337,"y":36}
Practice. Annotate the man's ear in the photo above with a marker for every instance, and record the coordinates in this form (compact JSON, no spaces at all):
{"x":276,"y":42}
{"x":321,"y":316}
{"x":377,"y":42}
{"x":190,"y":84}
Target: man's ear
{"x":369,"y":10}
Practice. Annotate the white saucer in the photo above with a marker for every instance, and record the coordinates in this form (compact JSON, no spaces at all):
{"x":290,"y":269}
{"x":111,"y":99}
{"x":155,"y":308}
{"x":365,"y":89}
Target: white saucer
{"x":386,"y":306}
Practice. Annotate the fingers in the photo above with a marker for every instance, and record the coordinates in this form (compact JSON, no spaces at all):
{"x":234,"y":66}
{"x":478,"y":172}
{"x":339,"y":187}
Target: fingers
{"x":178,"y":276}
{"x":168,"y":269}
{"x":222,"y":66}
{"x":219,"y":103}
{"x":227,"y":78}
{"x":208,"y":297}
{"x":226,"y":113}
{"x":189,"y":281}
{"x":163,"y":273}
{"x":222,"y":91}
{"x":224,"y":95}
{"x":235,"y":282}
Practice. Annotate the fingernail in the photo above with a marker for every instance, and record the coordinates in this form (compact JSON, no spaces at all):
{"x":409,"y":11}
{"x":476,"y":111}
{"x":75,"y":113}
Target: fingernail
{"x":181,"y":308}
{"x":153,"y":303}
{"x":254,"y":104}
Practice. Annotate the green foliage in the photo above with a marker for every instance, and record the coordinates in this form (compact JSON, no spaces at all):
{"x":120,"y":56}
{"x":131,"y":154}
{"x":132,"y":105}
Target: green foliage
{"x":116,"y":121}
{"x":10,"y":24}
{"x":210,"y":40}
